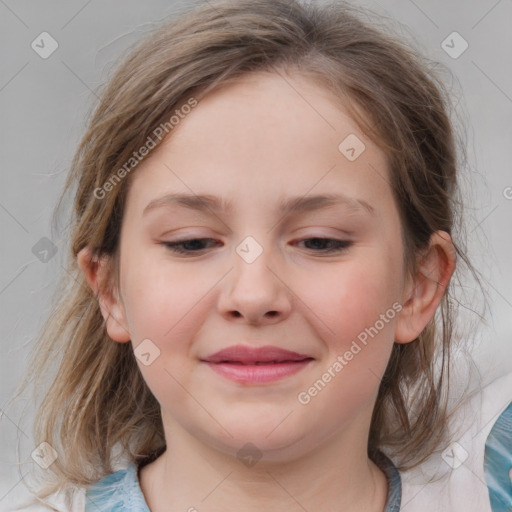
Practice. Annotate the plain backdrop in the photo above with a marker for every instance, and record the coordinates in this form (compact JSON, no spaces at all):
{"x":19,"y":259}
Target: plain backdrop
{"x":44,"y":103}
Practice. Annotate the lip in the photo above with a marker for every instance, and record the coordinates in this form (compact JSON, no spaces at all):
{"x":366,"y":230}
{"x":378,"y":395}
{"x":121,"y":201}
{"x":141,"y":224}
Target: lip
{"x":255,"y":365}
{"x":250,"y":355}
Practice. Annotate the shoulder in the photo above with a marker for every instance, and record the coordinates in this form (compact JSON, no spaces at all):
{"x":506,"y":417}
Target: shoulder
{"x":71,"y":501}
{"x":115,"y":492}
{"x":456,"y":478}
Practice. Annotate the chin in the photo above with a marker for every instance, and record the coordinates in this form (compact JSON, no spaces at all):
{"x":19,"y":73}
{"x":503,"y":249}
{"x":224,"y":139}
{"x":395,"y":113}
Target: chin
{"x":256,"y":441}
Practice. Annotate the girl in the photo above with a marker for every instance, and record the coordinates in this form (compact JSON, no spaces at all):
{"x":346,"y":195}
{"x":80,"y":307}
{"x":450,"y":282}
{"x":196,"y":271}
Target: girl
{"x":261,"y":255}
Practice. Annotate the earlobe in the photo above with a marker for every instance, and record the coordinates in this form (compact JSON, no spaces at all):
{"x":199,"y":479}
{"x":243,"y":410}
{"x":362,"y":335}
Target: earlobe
{"x":96,"y":273}
{"x":426,"y":289}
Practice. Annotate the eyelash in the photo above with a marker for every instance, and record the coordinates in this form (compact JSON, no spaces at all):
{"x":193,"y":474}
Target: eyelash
{"x":177,"y":246}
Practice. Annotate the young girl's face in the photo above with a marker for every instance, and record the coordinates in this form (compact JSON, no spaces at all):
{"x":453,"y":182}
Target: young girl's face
{"x":260,"y":277}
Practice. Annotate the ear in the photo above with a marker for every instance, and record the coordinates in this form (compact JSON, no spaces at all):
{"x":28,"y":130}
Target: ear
{"x":96,"y":272}
{"x":424,"y":291}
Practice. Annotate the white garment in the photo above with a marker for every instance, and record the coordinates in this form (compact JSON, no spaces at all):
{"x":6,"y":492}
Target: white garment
{"x":437,"y":487}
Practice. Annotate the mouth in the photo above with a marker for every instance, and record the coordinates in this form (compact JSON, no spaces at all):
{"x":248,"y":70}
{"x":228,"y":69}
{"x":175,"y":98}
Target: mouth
{"x":247,"y":365}
{"x":258,"y":363}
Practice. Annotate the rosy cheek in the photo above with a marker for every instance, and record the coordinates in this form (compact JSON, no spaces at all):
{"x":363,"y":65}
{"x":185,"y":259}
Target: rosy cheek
{"x":354,"y":305}
{"x":164,"y":307}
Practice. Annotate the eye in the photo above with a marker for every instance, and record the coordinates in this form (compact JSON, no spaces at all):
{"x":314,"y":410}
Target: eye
{"x":196,"y":245}
{"x":328,"y":245}
{"x":189,"y":246}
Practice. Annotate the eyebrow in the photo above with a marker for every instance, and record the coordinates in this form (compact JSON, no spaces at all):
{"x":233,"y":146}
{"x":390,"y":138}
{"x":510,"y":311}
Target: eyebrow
{"x":288,"y":206}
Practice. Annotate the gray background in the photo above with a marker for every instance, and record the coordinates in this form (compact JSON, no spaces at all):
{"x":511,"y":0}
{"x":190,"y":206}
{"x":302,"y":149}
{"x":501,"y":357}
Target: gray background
{"x":43,"y":104}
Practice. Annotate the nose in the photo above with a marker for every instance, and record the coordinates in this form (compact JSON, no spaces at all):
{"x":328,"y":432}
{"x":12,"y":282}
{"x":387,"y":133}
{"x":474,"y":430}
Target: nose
{"x":255,"y":292}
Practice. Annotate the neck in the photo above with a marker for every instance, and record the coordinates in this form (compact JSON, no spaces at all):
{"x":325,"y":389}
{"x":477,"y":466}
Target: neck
{"x":192,"y":476}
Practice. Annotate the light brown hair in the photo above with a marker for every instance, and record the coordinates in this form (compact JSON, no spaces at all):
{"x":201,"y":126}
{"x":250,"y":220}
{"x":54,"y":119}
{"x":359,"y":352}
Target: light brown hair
{"x":98,"y":401}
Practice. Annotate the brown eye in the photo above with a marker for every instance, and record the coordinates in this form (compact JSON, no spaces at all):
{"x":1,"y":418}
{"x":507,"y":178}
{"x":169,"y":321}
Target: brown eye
{"x":188,"y":246}
{"x":327,"y":245}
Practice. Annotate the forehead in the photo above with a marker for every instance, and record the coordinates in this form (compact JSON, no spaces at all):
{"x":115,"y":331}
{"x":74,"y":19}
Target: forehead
{"x":269,"y":133}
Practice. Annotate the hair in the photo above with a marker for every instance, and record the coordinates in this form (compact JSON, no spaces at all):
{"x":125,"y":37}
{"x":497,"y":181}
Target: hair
{"x":98,"y":401}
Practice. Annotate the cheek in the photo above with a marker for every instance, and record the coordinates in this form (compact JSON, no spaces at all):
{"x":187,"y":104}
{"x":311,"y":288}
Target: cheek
{"x":164,"y":304}
{"x":161,"y":301}
{"x":355,"y":312}
{"x":351,"y":297}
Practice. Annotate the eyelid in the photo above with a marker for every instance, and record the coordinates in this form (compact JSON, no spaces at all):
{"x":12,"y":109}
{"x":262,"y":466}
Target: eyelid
{"x":340,"y":246}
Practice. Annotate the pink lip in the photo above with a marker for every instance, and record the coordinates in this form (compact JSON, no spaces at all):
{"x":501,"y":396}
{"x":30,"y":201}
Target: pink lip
{"x":248,"y":365}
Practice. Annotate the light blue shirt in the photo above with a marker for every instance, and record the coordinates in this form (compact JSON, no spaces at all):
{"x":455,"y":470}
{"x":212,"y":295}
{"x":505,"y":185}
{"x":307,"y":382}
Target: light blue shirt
{"x":498,"y":462}
{"x":120,"y":491}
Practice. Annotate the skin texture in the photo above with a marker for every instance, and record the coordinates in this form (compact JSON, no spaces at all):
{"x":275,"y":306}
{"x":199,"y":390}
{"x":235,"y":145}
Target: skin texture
{"x":254,"y":143}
